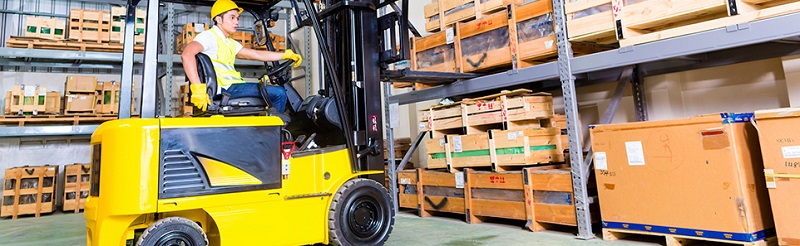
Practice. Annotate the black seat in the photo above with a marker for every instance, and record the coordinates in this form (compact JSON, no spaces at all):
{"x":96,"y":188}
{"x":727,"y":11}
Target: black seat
{"x":224,"y":104}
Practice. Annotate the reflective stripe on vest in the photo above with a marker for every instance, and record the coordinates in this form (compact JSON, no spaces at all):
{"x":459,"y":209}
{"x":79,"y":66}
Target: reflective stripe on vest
{"x":223,"y":63}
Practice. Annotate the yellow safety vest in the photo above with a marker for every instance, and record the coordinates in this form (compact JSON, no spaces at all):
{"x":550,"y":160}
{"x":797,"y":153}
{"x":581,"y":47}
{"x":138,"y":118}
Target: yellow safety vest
{"x":223,"y":63}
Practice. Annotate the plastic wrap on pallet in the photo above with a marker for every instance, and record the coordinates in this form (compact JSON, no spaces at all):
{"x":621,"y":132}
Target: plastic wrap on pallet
{"x":32,"y":198}
{"x":535,"y":28}
{"x":498,"y":194}
{"x":433,"y":18}
{"x":71,"y":195}
{"x":485,"y":42}
{"x":591,"y":11}
{"x":552,"y":197}
{"x":33,"y":183}
{"x":8,"y":200}
{"x":434,"y":56}
{"x":459,"y":8}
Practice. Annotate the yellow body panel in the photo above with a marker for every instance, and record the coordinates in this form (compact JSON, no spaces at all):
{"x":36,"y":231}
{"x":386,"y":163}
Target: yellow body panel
{"x":222,"y":174}
{"x":296,"y":213}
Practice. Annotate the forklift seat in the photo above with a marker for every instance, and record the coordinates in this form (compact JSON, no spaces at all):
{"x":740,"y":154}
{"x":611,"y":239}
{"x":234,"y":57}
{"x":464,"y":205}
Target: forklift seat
{"x":223,"y":104}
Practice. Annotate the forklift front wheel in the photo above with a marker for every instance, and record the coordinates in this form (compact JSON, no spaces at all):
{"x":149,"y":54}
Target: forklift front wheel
{"x":173,"y":231}
{"x":361,"y":214}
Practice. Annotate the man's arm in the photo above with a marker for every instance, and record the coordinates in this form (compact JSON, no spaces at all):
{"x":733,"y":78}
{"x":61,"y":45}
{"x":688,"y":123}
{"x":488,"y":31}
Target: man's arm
{"x":190,"y":62}
{"x":259,"y":55}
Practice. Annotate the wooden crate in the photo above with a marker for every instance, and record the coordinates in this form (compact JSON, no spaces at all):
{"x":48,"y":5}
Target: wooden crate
{"x":186,"y":108}
{"x":484,"y":43}
{"x":46,"y":28}
{"x":432,"y":17}
{"x":7,"y":108}
{"x":591,"y":21}
{"x":278,"y":42}
{"x":189,"y":31}
{"x":53,"y":103}
{"x":407,"y":195}
{"x":29,"y":190}
{"x":89,"y":25}
{"x":107,"y":101}
{"x":642,"y":21}
{"x":244,"y":38}
{"x":117,"y":30}
{"x":28,"y":99}
{"x":434,"y":191}
{"x":553,"y":197}
{"x":76,"y":186}
{"x":455,"y":11}
{"x":435,"y":53}
{"x":535,"y":33}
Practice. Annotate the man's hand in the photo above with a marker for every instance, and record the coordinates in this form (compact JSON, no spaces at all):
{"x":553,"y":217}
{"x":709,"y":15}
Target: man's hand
{"x":199,"y":96}
{"x":290,"y":55}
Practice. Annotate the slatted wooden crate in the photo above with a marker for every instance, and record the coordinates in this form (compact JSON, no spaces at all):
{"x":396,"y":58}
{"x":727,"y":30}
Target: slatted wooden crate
{"x":278,"y":42}
{"x":76,"y":186}
{"x":185,"y":107}
{"x":89,"y":25}
{"x":118,"y":25}
{"x":7,"y":108}
{"x":642,"y":21}
{"x":516,"y":109}
{"x":46,"y":28}
{"x":29,"y":190}
{"x":553,"y":197}
{"x":590,"y":21}
{"x":27,"y":99}
{"x":107,"y":99}
{"x":432,"y":16}
{"x":244,"y":38}
{"x":188,"y":32}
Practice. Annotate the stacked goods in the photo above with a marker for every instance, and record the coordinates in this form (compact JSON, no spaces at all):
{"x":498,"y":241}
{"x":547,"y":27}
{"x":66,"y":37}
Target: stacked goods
{"x":89,"y":25}
{"x":779,"y":149}
{"x":79,"y":94}
{"x":401,"y":147}
{"x":29,"y":190}
{"x":107,"y":98}
{"x":188,"y":33}
{"x":537,"y":195}
{"x":445,"y":13}
{"x":186,"y":108}
{"x":503,"y":131}
{"x":118,"y":24}
{"x":24,"y":99}
{"x":244,"y":38}
{"x":45,"y":28}
{"x":278,"y":42}
{"x":76,"y":186}
{"x":697,"y":178}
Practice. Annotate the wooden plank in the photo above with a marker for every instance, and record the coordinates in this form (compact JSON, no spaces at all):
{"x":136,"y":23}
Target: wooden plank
{"x":499,"y":209}
{"x":555,"y":214}
{"x":552,"y":180}
{"x":648,"y":14}
{"x":493,"y":180}
{"x":444,"y":204}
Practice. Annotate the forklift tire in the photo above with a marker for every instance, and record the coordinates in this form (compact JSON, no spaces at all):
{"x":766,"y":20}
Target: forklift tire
{"x":360,"y":214}
{"x":173,"y":231}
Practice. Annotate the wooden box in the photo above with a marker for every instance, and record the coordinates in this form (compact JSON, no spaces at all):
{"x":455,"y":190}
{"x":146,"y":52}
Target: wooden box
{"x":278,"y":42}
{"x":515,"y":148}
{"x":80,"y":84}
{"x":89,"y":25}
{"x":590,"y":21}
{"x":185,"y":108}
{"x":244,"y":38}
{"x":485,"y":43}
{"x":29,"y":190}
{"x":433,"y":22}
{"x":45,"y":28}
{"x":553,"y":197}
{"x":107,"y":98}
{"x":53,"y":103}
{"x":76,"y":186}
{"x":28,"y":99}
{"x":79,"y":103}
{"x":535,"y":32}
{"x":189,"y":31}
{"x":7,"y":108}
{"x":434,"y":53}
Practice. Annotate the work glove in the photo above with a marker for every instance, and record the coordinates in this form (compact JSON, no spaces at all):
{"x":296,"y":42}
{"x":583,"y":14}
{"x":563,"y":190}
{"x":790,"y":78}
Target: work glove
{"x":199,"y":96}
{"x":290,"y":55}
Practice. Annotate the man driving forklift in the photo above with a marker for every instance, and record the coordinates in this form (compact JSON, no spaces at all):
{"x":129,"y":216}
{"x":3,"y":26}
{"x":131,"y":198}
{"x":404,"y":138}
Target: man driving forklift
{"x":223,"y":51}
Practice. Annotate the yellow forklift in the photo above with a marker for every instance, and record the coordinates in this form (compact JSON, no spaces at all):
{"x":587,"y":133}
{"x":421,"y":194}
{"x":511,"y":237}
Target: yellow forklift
{"x":240,"y":177}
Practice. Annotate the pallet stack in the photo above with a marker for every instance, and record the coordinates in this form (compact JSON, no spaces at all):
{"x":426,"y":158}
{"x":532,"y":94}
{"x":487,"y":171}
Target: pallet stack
{"x":278,"y":42}
{"x":107,"y":97}
{"x":76,"y":186}
{"x":29,"y":190}
{"x":28,"y":99}
{"x":79,"y":94}
{"x":503,"y":131}
{"x":118,"y":25}
{"x":189,"y":31}
{"x":244,"y":38}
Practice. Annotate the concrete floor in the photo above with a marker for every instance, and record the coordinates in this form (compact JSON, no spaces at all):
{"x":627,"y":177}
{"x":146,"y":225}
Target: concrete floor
{"x":68,"y":229}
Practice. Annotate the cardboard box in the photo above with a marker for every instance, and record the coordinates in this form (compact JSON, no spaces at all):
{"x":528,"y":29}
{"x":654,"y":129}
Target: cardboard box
{"x":75,"y":103}
{"x":80,"y":84}
{"x":53,"y":103}
{"x":779,"y":148}
{"x":701,"y":174}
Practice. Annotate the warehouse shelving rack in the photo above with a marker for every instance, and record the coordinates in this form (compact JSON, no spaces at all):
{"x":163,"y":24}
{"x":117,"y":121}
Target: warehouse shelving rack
{"x":749,"y":41}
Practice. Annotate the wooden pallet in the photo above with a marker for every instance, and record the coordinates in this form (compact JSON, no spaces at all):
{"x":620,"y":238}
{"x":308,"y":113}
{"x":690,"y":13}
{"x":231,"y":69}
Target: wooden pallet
{"x":29,"y":190}
{"x":38,"y":43}
{"x":678,"y":240}
{"x":482,"y":195}
{"x":76,"y":119}
{"x":76,"y":187}
{"x":649,"y":21}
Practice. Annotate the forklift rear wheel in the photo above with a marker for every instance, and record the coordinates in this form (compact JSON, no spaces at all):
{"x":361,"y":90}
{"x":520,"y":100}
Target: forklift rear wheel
{"x":361,"y":214}
{"x":173,"y":231}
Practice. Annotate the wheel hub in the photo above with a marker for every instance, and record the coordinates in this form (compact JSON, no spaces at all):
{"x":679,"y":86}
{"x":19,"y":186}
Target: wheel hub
{"x":364,"y":218}
{"x":175,"y":239}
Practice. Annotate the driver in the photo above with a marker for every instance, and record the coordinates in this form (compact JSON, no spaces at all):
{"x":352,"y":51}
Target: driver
{"x":223,"y":51}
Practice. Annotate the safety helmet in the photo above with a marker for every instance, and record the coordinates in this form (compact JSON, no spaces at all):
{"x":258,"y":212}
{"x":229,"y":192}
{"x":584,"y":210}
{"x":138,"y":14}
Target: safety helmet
{"x":222,"y":6}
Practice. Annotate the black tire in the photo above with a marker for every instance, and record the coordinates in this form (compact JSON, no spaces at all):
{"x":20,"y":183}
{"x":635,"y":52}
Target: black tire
{"x":173,"y":231}
{"x":360,"y":214}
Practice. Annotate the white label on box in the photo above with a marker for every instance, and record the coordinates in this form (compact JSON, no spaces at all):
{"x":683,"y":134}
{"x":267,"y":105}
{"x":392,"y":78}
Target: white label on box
{"x":771,"y":184}
{"x":394,"y":111}
{"x":791,"y":152}
{"x":457,"y":144}
{"x":30,"y":91}
{"x":442,"y":142}
{"x":548,"y":44}
{"x":600,"y":161}
{"x":69,"y":98}
{"x":514,"y":135}
{"x":451,"y":35}
{"x":405,"y":181}
{"x":459,"y":180}
{"x":422,"y":126}
{"x":198,"y":28}
{"x":635,"y":153}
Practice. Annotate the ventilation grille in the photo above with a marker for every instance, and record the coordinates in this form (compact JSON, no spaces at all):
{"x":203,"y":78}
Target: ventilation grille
{"x":179,"y":174}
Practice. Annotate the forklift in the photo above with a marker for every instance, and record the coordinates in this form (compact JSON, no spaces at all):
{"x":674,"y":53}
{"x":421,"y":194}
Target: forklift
{"x":240,"y":176}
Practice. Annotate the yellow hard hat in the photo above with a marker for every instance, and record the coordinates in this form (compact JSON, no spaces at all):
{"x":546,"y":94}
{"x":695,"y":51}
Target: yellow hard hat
{"x":222,"y":6}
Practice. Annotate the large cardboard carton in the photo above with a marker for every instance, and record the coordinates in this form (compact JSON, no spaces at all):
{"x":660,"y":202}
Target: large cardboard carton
{"x":53,"y":103}
{"x":80,"y":84}
{"x":780,"y":149}
{"x":699,"y":177}
{"x":77,"y":103}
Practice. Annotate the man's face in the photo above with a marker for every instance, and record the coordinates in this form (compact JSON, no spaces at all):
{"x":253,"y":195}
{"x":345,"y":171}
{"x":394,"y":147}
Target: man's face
{"x":229,"y":21}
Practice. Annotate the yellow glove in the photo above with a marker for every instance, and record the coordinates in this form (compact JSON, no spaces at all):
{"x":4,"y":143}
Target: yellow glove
{"x":290,"y":55}
{"x":199,"y":96}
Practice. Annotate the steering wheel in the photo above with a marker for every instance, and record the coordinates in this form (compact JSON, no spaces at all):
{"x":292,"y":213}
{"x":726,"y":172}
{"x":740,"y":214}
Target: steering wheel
{"x":280,"y":70}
